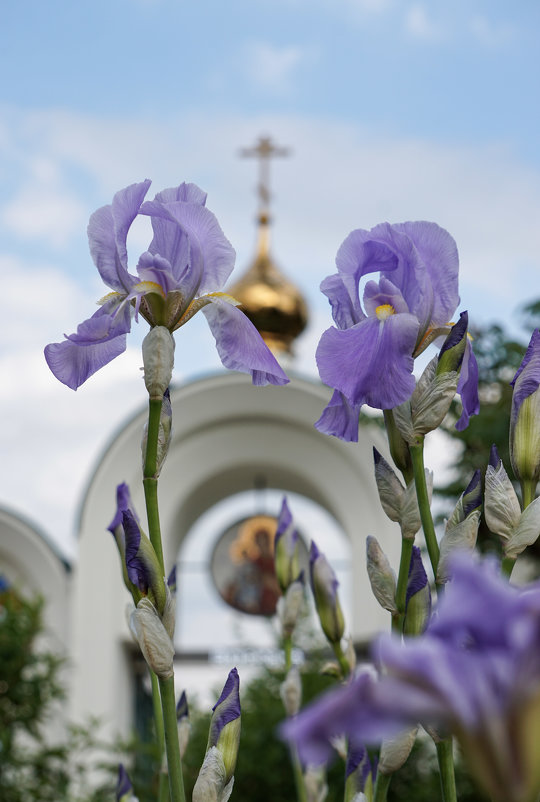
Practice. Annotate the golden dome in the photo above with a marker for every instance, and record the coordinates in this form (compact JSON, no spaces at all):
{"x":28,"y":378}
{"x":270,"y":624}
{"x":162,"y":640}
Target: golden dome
{"x":274,"y":304}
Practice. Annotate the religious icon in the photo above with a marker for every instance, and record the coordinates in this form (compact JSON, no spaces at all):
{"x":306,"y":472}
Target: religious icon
{"x":243,"y":566}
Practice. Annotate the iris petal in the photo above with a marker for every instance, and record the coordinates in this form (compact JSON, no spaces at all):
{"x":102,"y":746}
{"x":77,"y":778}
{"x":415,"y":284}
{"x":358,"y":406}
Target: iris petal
{"x":371,"y":362}
{"x":239,"y":344}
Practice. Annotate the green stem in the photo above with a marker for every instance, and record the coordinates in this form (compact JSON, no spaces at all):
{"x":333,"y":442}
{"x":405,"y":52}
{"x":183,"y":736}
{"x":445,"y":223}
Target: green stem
{"x":403,"y":578}
{"x":508,"y":566}
{"x":417,"y":455}
{"x":342,"y":660}
{"x":172,"y":747}
{"x":301,"y":793}
{"x":445,"y":756}
{"x":150,"y":481}
{"x":382,"y":784}
{"x":528,"y":492}
{"x":158,"y":714}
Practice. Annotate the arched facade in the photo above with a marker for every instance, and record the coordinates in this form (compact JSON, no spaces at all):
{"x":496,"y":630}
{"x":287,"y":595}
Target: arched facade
{"x":225,"y":433}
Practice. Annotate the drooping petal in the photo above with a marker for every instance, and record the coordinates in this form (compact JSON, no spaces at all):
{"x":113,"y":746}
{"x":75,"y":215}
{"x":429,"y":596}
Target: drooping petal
{"x":371,"y":362}
{"x":339,"y":418}
{"x":239,"y":344}
{"x":107,"y":234}
{"x":97,"y":341}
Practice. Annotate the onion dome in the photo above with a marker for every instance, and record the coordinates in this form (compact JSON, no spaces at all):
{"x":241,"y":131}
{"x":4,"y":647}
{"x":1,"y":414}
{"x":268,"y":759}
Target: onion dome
{"x":275,"y":306}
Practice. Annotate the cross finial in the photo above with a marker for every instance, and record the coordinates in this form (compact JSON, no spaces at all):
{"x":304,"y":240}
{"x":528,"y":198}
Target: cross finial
{"x":264,"y":150}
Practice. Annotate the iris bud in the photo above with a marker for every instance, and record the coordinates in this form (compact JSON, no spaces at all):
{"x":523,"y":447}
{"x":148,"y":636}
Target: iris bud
{"x":381,"y":576}
{"x":291,"y":691}
{"x":153,"y":639}
{"x":504,"y":518}
{"x":395,"y":751}
{"x":116,"y":528}
{"x":224,"y":731}
{"x":286,"y":548}
{"x":158,"y":361}
{"x":453,"y":349}
{"x":315,"y":784}
{"x":211,"y":785}
{"x":399,"y":503}
{"x":183,"y":723}
{"x":418,"y":597}
{"x":324,"y":585}
{"x":124,"y":788}
{"x":462,"y":527}
{"x":142,"y":564}
{"x":290,"y":605}
{"x":525,"y":415}
{"x":358,"y":776}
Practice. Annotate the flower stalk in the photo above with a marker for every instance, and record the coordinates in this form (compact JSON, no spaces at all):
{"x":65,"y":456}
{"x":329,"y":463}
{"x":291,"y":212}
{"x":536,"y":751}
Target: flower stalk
{"x":417,"y":455}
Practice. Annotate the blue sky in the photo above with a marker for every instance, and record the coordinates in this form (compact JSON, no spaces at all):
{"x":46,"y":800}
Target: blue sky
{"x":392,"y":110}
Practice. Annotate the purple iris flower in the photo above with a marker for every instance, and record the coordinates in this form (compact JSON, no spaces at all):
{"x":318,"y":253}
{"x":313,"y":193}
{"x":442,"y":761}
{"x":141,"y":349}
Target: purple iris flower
{"x":186,"y":265}
{"x":368,"y":356}
{"x":475,"y":672}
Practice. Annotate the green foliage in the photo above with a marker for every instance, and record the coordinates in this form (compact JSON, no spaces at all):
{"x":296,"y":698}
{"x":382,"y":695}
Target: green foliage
{"x":31,"y":766}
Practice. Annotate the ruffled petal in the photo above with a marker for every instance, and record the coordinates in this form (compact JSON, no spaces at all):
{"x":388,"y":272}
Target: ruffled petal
{"x":438,"y":252}
{"x":188,"y":193}
{"x":107,"y":234}
{"x":98,"y":340}
{"x":360,"y":254}
{"x":202,"y":262}
{"x":340,"y":419}
{"x":239,"y":344}
{"x":345,"y":311}
{"x":371,"y":362}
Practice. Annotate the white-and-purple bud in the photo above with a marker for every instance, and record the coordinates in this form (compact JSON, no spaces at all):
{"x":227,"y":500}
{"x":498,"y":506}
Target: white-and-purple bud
{"x":395,"y":751}
{"x":286,"y":548}
{"x":224,"y":731}
{"x":358,"y":772}
{"x":116,"y":528}
{"x":183,"y":723}
{"x":525,"y":415}
{"x":324,"y":585}
{"x":502,"y":509}
{"x":158,"y":361}
{"x":418,"y":597}
{"x":290,"y":605}
{"x":142,"y":564}
{"x":398,"y":502}
{"x":154,"y":640}
{"x":462,"y":527}
{"x":381,"y":575}
{"x":291,"y":691}
{"x":124,"y":787}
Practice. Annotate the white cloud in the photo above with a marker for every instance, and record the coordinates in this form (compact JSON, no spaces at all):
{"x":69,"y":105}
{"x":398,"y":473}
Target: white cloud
{"x":489,"y":33}
{"x":419,"y":25}
{"x":271,"y":67}
{"x":43,"y":213}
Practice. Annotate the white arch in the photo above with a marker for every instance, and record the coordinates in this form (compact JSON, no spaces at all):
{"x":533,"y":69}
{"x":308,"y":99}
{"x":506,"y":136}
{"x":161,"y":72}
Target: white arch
{"x":225,"y":432}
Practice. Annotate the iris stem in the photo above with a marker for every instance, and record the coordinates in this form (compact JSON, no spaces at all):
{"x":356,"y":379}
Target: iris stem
{"x":301,"y":793}
{"x":150,"y":481}
{"x":417,"y":455}
{"x":445,"y":756}
{"x":399,"y":449}
{"x":382,"y":784}
{"x":528,"y":492}
{"x":172,"y":747}
{"x":166,"y":686}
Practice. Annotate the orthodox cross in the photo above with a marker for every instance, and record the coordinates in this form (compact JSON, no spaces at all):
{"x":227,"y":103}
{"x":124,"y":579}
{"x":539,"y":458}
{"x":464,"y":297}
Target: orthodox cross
{"x":264,"y":150}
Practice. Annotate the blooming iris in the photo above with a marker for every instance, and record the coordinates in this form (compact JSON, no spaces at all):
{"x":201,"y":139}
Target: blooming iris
{"x":475,"y":672}
{"x":368,"y":356}
{"x":187,"y":263}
